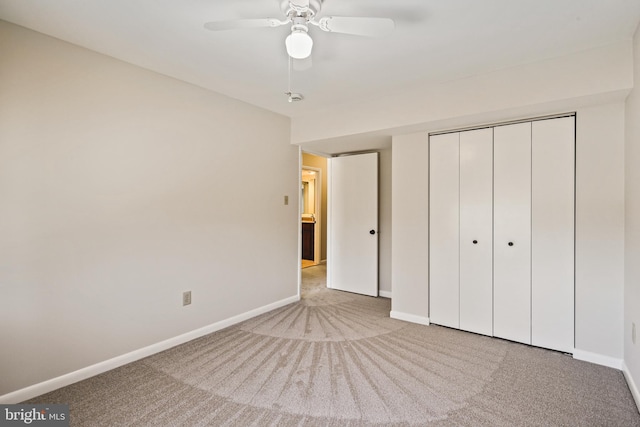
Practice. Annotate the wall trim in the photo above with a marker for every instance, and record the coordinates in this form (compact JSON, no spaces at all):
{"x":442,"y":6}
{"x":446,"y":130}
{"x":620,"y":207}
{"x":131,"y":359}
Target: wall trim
{"x":632,"y":385}
{"x":385,"y":294}
{"x":409,"y":318}
{"x":107,"y":365}
{"x":598,"y":359}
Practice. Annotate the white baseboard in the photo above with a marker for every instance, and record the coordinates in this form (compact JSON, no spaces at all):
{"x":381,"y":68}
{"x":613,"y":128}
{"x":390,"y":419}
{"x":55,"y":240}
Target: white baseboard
{"x":632,"y":385}
{"x":385,"y":294}
{"x":107,"y":365}
{"x":409,"y":318}
{"x":598,"y":359}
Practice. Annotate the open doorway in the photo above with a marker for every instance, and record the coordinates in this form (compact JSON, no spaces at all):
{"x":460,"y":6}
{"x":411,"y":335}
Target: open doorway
{"x":313,"y":205}
{"x":311,"y":215}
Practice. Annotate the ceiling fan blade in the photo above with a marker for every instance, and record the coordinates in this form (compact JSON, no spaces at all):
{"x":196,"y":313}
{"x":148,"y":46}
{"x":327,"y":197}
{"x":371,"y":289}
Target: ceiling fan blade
{"x":243,"y":24}
{"x":371,"y":27}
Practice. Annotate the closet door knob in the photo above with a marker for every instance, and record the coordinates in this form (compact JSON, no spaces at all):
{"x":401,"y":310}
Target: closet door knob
{"x":475,"y":242}
{"x":372,"y":231}
{"x":510,"y":243}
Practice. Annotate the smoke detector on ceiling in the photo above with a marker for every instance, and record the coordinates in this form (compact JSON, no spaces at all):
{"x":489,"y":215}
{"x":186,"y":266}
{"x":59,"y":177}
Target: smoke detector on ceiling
{"x":294,"y":97}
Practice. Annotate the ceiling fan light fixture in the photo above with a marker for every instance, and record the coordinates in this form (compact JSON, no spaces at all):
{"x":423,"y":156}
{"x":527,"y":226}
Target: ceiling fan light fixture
{"x":299,"y":44}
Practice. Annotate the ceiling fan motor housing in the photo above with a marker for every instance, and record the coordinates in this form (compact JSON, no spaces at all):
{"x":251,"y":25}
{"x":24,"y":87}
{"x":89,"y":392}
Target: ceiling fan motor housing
{"x":296,"y":6}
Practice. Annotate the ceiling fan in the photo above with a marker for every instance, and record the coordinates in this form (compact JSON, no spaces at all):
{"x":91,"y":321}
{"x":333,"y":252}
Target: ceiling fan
{"x":303,"y":13}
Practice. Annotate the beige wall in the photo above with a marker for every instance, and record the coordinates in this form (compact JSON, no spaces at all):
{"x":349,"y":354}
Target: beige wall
{"x":320,"y":163}
{"x":120,"y":189}
{"x":410,"y":245}
{"x":632,"y":229}
{"x":385,"y":225}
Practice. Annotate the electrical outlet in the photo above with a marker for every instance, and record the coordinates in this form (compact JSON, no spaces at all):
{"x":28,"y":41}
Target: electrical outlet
{"x":186,"y":298}
{"x":633,"y":332}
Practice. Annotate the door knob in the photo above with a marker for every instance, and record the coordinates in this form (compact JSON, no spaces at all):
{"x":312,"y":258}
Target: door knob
{"x":372,"y":231}
{"x":510,"y":243}
{"x":475,"y":242}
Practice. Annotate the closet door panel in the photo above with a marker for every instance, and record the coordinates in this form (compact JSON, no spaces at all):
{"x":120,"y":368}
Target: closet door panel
{"x":444,"y":230}
{"x":552,"y":240}
{"x":512,"y":232}
{"x":476,"y":231}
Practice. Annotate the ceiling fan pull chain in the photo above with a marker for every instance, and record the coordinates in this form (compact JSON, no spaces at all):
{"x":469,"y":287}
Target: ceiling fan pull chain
{"x":289,"y":76}
{"x":292,"y":96}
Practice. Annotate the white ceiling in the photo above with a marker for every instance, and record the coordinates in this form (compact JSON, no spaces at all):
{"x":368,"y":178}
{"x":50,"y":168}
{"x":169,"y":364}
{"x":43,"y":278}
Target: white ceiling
{"x":434,"y":40}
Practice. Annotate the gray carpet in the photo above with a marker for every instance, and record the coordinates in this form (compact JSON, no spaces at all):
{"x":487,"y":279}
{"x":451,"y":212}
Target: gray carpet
{"x":336,"y":358}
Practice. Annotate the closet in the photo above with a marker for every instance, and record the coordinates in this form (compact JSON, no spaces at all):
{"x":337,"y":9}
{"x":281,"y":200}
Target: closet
{"x":501,"y":231}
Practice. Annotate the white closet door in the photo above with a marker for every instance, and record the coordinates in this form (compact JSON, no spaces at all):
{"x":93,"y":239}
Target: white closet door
{"x":552,"y":240}
{"x":512,"y":232}
{"x":476,"y":231}
{"x":444,"y":230}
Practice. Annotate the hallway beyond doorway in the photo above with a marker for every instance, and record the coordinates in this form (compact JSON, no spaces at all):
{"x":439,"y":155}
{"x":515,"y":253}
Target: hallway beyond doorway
{"x":307,"y":263}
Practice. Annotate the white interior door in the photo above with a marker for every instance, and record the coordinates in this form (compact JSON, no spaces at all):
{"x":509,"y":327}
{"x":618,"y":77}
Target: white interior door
{"x":353,"y":224}
{"x":552,"y":239}
{"x":512,"y":232}
{"x":476,"y":231}
{"x":444,"y":230}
